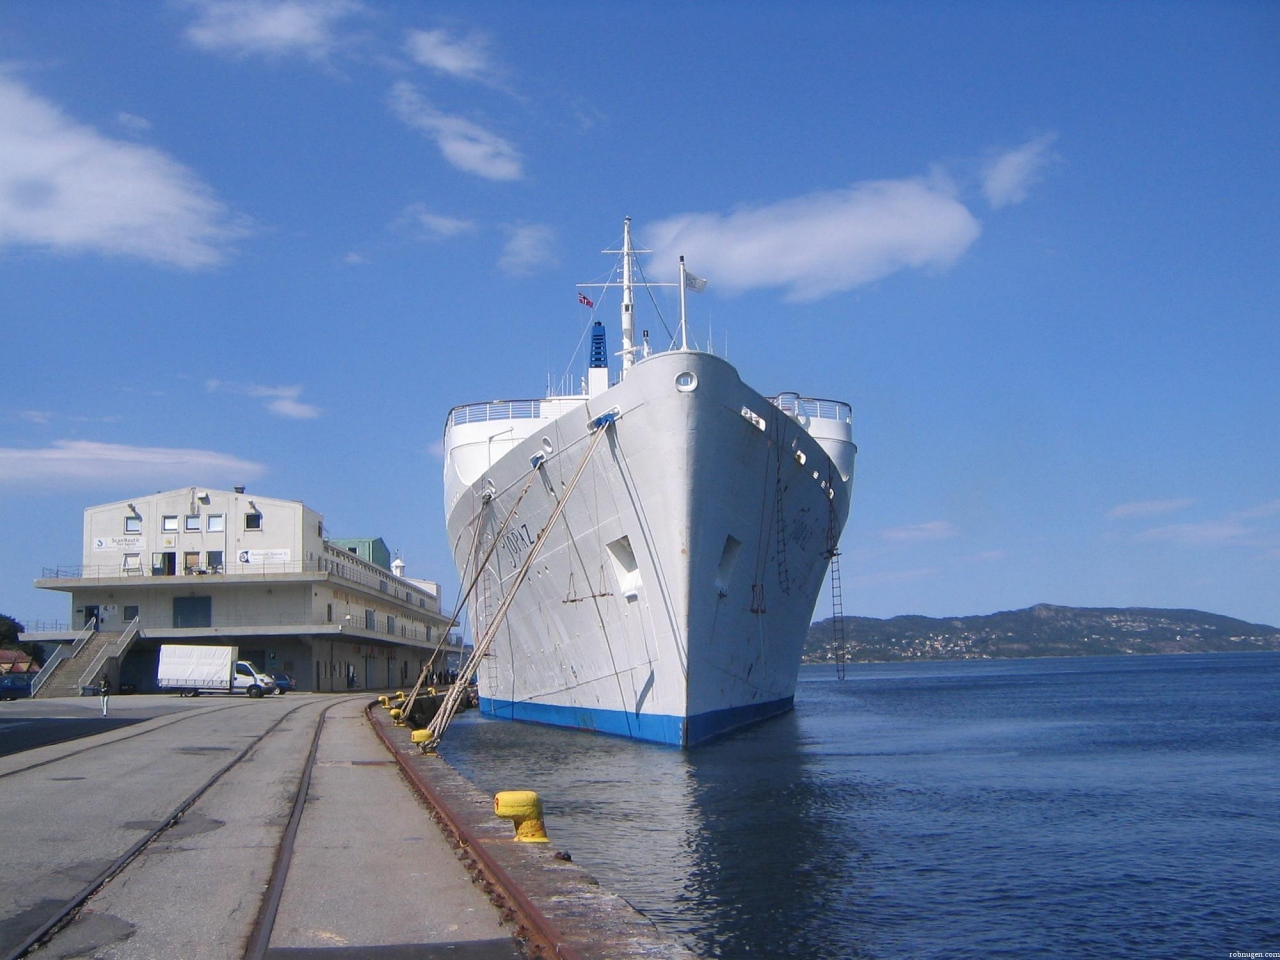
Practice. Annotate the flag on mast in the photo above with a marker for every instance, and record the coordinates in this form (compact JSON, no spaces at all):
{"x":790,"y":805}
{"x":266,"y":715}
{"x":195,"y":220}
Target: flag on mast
{"x":583,"y":299}
{"x":696,"y":284}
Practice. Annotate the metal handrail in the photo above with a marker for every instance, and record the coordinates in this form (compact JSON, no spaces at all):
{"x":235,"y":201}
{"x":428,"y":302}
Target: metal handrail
{"x":63,"y":653}
{"x":47,"y":670}
{"x":340,"y":564}
{"x":83,"y":636}
{"x":812,"y":407}
{"x":495,"y":410}
{"x":109,"y":650}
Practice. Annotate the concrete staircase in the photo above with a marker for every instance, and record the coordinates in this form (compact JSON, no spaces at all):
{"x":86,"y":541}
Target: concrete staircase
{"x":64,"y":681}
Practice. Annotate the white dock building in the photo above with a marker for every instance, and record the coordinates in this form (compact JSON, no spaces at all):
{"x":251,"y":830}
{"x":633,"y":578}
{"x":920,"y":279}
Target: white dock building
{"x":206,"y":566}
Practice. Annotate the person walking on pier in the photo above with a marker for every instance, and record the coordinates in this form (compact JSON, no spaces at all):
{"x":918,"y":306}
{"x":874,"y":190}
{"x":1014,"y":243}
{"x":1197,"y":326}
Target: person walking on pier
{"x":104,"y":688}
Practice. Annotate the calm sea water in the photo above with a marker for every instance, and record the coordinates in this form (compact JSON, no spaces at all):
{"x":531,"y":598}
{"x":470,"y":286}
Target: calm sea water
{"x":1075,"y":808}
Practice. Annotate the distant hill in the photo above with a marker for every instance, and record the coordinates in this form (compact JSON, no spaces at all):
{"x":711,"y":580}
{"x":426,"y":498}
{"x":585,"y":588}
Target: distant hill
{"x":1040,"y":631}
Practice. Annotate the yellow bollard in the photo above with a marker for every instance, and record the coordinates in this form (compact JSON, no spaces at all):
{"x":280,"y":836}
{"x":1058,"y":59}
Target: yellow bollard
{"x":397,"y":716}
{"x":524,"y":809}
{"x":384,"y":701}
{"x":423,"y":739}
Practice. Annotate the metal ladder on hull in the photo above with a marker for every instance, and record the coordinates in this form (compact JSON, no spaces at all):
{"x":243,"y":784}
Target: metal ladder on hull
{"x":837,"y":614}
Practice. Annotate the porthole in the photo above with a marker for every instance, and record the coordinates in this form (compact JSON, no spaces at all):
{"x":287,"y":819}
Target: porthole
{"x":547,"y":446}
{"x":686,"y":382}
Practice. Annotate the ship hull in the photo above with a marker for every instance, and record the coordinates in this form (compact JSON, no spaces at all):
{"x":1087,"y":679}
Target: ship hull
{"x":671,"y":598}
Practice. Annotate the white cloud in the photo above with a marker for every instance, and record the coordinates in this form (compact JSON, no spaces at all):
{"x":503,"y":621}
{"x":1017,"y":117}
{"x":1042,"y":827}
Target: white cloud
{"x":1149,"y":508}
{"x":988,"y":556}
{"x":84,"y":462}
{"x":272,"y":27}
{"x":66,"y":187}
{"x":1269,"y":509}
{"x":529,"y":248}
{"x":1250,"y":527}
{"x":133,"y":123}
{"x":822,"y":243}
{"x":1008,"y":178}
{"x":466,"y":145}
{"x":466,"y":58}
{"x":932,"y":530}
{"x":282,"y":401}
{"x":355,"y":259}
{"x":432,"y":226}
{"x":1211,"y":533}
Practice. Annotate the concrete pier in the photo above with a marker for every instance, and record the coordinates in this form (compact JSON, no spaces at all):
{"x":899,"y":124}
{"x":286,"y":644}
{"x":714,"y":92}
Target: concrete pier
{"x":395,"y":854}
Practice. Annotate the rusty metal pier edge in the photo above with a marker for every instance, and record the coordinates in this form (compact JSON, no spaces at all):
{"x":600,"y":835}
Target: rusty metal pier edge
{"x":539,"y":934}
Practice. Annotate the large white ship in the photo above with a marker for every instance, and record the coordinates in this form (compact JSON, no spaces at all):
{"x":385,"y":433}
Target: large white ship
{"x":645,"y":555}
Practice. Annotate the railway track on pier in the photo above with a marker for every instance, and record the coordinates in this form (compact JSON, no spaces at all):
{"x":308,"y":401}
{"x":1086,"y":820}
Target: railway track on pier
{"x":205,"y":836}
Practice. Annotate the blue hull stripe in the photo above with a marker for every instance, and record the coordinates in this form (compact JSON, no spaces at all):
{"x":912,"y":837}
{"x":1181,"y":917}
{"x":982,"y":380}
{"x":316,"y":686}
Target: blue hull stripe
{"x":676,"y":731}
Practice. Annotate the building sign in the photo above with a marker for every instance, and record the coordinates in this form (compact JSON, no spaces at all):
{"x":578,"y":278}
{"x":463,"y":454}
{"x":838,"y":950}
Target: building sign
{"x":129,"y":544}
{"x":266,"y":556}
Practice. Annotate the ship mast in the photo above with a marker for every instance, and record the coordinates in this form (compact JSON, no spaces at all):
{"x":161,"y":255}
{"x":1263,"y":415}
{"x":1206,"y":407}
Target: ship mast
{"x":628,"y":285}
{"x":628,"y":298}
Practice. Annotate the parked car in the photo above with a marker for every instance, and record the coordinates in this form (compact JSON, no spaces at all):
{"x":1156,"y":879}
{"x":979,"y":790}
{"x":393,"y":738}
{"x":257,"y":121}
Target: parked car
{"x":15,"y":686}
{"x":284,"y":682}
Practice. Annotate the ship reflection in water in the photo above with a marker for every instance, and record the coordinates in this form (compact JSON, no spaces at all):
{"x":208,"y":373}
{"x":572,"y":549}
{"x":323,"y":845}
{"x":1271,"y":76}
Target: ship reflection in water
{"x":727,"y":847}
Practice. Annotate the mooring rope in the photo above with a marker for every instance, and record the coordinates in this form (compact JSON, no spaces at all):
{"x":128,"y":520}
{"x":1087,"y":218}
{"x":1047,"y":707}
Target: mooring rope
{"x":440,"y":723}
{"x":458,"y":607}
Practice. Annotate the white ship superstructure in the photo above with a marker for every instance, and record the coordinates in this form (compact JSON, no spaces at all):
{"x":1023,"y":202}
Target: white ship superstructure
{"x":649,"y":553}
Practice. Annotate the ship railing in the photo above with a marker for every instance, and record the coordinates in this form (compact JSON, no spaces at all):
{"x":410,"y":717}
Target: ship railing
{"x":496,"y":410}
{"x":796,"y":405}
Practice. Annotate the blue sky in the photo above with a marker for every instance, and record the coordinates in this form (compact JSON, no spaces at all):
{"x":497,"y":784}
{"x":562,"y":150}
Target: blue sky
{"x":1036,"y":246}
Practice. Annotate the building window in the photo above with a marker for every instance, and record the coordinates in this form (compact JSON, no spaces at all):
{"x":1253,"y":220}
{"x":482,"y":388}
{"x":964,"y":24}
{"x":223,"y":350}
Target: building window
{"x":133,"y":524}
{"x":192,"y":612}
{"x":328,"y":613}
{"x":169,"y":524}
{"x":391,"y":625}
{"x":253,"y":521}
{"x":130,"y":614}
{"x":133,"y":561}
{"x":369,"y":621}
{"x":213,"y":560}
{"x":191,"y":561}
{"x":215,"y":523}
{"x":192,"y":523}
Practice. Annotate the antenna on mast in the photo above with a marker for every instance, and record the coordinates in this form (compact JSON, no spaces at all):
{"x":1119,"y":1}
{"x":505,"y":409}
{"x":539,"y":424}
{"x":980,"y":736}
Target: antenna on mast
{"x":628,"y":299}
{"x":684,"y":329}
{"x":628,"y":285}
{"x":628,"y":253}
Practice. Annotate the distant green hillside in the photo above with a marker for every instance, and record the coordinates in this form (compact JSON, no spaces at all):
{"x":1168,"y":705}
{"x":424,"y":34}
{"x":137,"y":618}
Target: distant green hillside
{"x":1039,"y":631}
